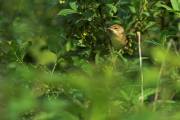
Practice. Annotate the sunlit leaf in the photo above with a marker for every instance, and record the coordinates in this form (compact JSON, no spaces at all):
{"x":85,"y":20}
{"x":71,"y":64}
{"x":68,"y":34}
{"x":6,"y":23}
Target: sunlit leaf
{"x":47,"y":57}
{"x":175,"y":4}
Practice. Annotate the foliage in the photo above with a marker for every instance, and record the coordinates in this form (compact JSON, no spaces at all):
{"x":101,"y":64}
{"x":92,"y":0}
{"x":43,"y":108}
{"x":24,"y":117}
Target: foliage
{"x":57,"y":62}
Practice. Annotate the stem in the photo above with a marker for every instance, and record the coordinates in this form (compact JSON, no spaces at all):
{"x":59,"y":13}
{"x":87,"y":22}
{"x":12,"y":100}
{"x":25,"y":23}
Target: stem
{"x":54,"y":67}
{"x":140,"y":66}
{"x":160,"y":74}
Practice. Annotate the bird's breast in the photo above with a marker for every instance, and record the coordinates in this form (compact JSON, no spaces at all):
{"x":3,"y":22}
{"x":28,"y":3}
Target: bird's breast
{"x":118,"y":41}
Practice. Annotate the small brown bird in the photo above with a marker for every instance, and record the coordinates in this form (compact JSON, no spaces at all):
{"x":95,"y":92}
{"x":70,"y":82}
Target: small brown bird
{"x":117,"y":36}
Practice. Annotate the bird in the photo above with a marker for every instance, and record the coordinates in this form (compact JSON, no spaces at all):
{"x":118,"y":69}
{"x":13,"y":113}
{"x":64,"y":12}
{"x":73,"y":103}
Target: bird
{"x":117,"y":36}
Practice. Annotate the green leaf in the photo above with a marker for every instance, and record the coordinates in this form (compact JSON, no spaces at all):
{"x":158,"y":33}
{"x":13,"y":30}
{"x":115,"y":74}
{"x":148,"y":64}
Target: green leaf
{"x":148,"y":92}
{"x":166,"y":7}
{"x":73,"y":5}
{"x":66,"y":12}
{"x":153,"y":42}
{"x":149,"y":25}
{"x":175,"y":4}
{"x":68,"y":46}
{"x":132,"y":9}
{"x":112,"y":7}
{"x":47,"y":57}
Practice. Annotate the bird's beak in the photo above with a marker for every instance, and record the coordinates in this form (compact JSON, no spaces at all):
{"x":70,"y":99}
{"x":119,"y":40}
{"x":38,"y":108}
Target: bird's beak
{"x":108,"y":29}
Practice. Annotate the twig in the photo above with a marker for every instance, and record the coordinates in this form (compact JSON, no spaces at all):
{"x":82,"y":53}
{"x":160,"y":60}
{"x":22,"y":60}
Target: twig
{"x":140,"y":66}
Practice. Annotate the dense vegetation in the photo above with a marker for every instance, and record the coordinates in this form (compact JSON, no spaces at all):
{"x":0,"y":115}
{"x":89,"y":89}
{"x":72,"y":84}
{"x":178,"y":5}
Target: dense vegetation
{"x":57,"y":63}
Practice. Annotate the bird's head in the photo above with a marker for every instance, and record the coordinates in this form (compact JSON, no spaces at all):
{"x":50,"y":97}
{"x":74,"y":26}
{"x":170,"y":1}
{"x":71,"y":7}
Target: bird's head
{"x":115,"y":29}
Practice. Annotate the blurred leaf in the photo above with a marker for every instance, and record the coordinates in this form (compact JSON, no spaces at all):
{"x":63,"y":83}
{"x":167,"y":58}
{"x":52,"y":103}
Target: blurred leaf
{"x":149,"y":92}
{"x":68,"y":46}
{"x":167,"y":57}
{"x":21,"y":105}
{"x":55,"y":116}
{"x":133,"y":9}
{"x":160,"y":4}
{"x":153,"y":42}
{"x":175,"y":4}
{"x":46,"y":57}
{"x":149,"y":25}
{"x":112,"y":9}
{"x":66,"y":12}
{"x":151,"y":76}
{"x":73,"y":5}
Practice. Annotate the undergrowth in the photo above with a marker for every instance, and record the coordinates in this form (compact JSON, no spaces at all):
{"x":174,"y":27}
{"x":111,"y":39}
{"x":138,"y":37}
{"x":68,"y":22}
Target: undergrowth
{"x":57,"y":62}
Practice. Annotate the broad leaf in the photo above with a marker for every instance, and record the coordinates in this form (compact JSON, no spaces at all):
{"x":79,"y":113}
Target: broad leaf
{"x":175,"y":4}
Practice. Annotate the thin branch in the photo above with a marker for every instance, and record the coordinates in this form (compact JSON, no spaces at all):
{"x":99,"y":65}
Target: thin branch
{"x":140,"y":66}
